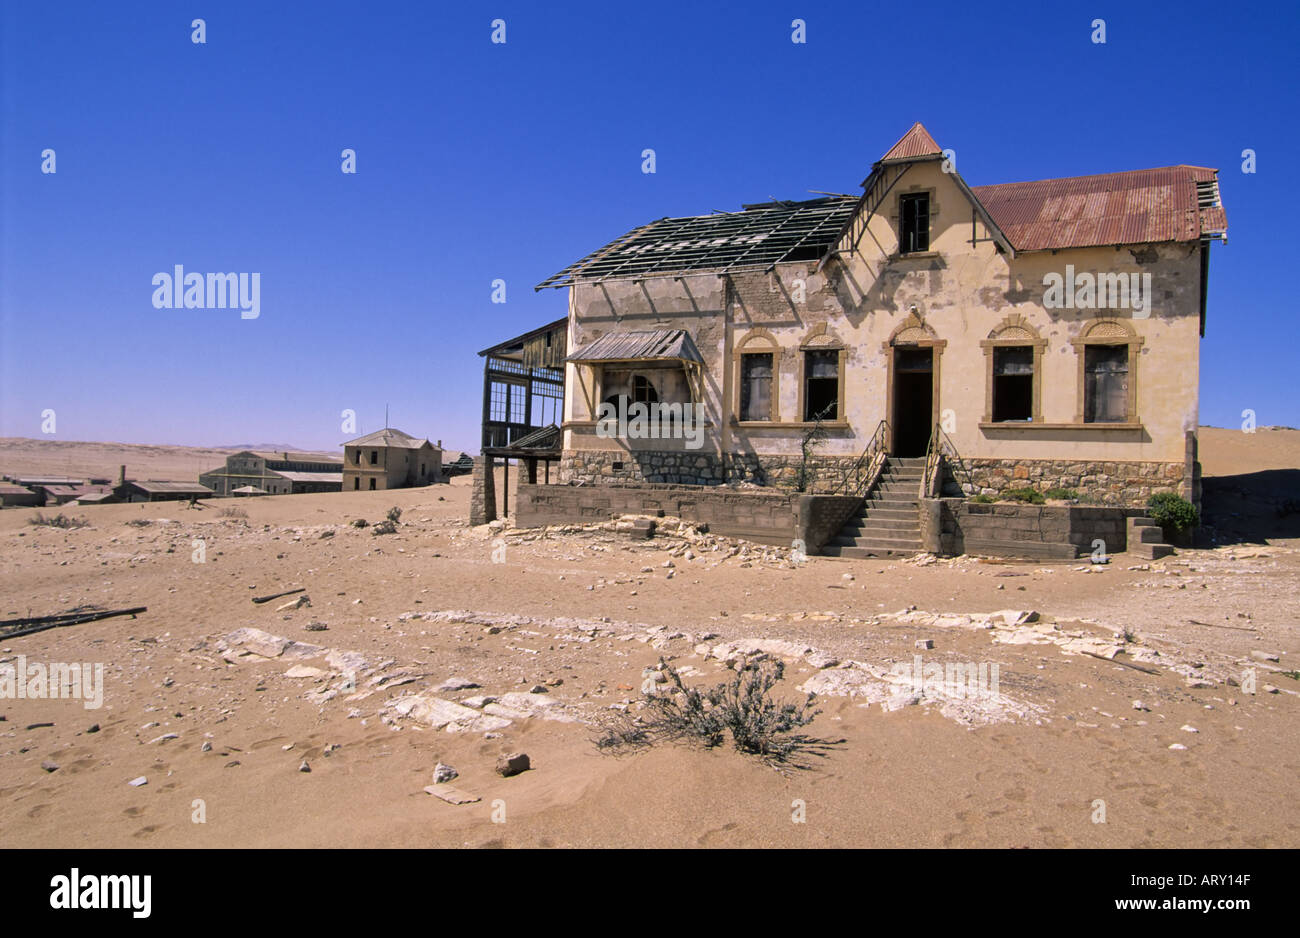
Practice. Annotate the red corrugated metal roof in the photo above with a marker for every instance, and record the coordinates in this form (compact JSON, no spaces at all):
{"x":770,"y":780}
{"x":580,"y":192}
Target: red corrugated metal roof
{"x":1138,"y":207}
{"x":915,"y":143}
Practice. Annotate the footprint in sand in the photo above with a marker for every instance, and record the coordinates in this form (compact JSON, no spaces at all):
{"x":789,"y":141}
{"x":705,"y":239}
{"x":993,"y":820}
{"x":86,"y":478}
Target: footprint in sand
{"x":147,"y":830}
{"x":39,"y":811}
{"x":133,"y":811}
{"x":714,"y":834}
{"x":273,"y":741}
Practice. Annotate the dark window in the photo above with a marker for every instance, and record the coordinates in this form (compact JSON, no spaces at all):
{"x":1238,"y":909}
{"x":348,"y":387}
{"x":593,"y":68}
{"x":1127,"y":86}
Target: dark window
{"x":756,"y":386}
{"x":372,"y":485}
{"x":914,"y":223}
{"x":356,"y":457}
{"x":356,"y":483}
{"x":1013,"y":383}
{"x":821,"y":393}
{"x":1105,"y":383}
{"x":643,"y":392}
{"x":374,"y":456}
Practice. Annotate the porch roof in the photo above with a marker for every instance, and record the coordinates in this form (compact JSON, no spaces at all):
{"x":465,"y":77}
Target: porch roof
{"x":653,"y":345}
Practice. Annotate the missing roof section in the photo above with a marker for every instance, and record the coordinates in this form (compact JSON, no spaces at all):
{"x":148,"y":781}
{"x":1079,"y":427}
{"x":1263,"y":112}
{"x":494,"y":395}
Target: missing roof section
{"x":759,"y":236}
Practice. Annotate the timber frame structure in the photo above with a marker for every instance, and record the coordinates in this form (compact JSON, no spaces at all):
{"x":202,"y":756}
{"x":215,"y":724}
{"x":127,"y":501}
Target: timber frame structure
{"x":523,"y":405}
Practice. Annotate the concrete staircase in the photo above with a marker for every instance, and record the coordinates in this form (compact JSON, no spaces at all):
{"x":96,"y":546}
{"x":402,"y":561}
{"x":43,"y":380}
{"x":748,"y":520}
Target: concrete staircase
{"x":888,"y":523}
{"x":1146,"y":539}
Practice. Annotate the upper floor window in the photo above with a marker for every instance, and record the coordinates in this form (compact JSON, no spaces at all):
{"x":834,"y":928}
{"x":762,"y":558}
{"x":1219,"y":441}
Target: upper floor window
{"x":914,"y":223}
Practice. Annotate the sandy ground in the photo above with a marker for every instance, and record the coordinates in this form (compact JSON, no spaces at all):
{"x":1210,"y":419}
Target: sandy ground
{"x":582,"y":613}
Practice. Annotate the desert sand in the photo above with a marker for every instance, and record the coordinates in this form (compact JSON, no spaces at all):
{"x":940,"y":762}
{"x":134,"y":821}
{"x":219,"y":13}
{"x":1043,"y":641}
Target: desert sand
{"x":218,"y":702}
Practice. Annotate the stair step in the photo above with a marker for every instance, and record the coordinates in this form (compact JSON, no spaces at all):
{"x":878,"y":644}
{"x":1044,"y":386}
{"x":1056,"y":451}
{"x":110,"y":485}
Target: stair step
{"x":879,"y":543}
{"x":895,"y":504}
{"x":884,"y":524}
{"x":865,"y":553}
{"x":889,"y":514}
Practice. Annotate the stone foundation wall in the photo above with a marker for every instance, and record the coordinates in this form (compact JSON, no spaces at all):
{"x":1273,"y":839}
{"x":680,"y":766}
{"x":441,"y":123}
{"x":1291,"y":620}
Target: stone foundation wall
{"x":483,"y":493}
{"x":766,"y":517}
{"x":1061,"y":532}
{"x":701,"y":468}
{"x":1103,"y":483}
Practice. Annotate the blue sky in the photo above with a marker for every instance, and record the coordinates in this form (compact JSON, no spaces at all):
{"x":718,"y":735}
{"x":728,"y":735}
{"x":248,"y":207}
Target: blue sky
{"x":478,"y":161}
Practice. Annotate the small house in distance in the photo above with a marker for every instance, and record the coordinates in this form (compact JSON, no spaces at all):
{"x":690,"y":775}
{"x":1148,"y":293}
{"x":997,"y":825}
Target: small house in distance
{"x":154,"y":491}
{"x":389,"y":459}
{"x":19,"y":496}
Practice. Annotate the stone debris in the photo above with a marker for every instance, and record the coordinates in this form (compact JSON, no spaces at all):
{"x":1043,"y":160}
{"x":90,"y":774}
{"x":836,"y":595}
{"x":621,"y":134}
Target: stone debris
{"x":517,"y":706}
{"x":456,"y":683}
{"x":443,"y":773}
{"x":451,"y":795}
{"x":137,"y":782}
{"x":50,"y":765}
{"x":513,"y":764}
{"x":304,"y":767}
{"x":442,"y":714}
{"x":302,"y":602}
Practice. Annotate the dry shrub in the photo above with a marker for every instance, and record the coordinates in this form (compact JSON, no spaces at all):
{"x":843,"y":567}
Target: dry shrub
{"x":742,"y":708}
{"x":58,"y":521}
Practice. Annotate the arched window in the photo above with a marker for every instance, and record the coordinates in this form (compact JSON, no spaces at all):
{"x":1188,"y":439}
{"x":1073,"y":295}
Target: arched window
{"x":1107,"y":351}
{"x":1013,"y":355}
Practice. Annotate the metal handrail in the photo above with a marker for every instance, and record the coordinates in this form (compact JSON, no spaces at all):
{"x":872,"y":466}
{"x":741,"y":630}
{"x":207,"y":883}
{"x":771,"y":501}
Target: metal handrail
{"x":867,"y":468}
{"x":940,"y":450}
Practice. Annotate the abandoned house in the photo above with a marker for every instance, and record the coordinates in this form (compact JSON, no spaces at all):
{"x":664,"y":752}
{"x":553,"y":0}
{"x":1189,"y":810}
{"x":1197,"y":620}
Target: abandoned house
{"x":924,"y":335}
{"x":389,"y":459}
{"x":275,"y":473}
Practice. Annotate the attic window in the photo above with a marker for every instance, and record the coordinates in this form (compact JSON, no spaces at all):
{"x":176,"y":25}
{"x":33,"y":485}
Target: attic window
{"x":914,"y":223}
{"x":1207,"y":194}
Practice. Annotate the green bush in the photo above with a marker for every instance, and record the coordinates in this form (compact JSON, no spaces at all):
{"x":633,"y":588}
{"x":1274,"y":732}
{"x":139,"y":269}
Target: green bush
{"x":983,"y":499}
{"x":1032,"y":496}
{"x":1173,"y":513}
{"x":1069,"y":494}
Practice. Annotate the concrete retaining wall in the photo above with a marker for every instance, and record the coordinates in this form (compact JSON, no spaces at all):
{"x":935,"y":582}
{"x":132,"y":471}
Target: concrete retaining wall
{"x":1060,"y":532}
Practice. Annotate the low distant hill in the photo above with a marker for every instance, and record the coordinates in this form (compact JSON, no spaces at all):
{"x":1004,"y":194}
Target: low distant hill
{"x":84,"y":459}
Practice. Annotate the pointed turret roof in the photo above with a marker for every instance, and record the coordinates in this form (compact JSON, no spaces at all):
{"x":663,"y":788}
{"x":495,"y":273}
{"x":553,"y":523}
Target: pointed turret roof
{"x":917,"y":142}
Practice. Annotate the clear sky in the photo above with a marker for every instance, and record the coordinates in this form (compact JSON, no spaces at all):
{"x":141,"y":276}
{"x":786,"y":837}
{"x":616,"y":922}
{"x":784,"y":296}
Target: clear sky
{"x":477,"y":161}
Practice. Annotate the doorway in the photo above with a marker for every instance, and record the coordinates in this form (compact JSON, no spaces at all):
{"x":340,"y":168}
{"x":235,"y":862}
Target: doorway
{"x":913,"y":400}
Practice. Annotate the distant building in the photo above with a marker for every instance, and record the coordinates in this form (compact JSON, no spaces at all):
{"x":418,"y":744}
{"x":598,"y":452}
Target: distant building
{"x":19,"y":496}
{"x":284,"y":473}
{"x":63,"y":494}
{"x":151,"y":491}
{"x":389,"y":459}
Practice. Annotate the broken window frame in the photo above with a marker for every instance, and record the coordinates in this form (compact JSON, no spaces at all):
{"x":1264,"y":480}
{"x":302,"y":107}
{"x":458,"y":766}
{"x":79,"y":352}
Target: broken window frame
{"x":914,"y":223}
